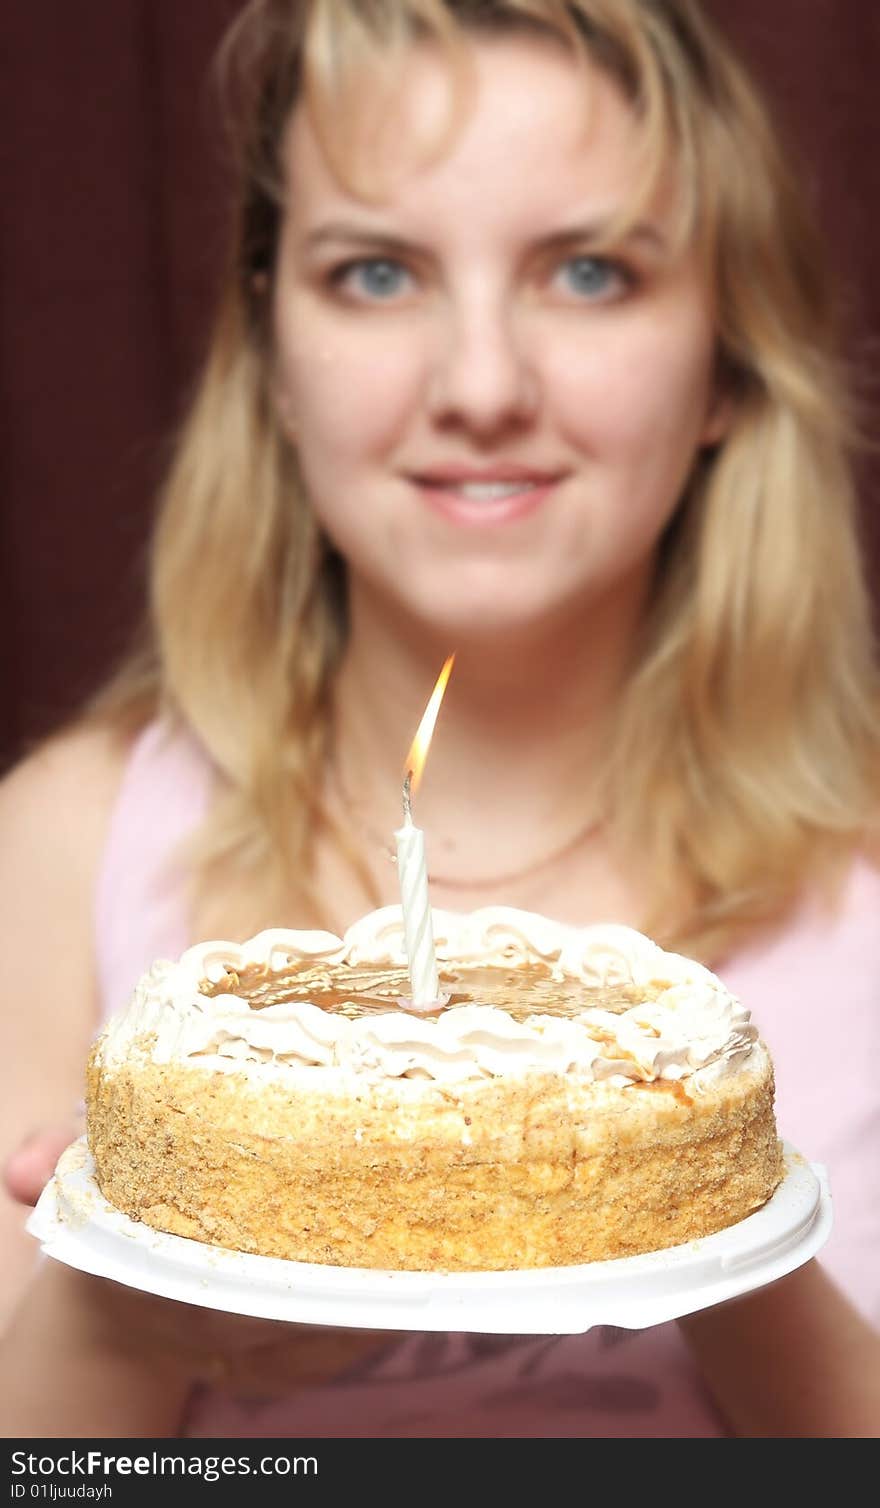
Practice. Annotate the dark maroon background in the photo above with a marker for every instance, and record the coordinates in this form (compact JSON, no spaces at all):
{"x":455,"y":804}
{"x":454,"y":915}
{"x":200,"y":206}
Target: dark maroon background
{"x":112,"y":241}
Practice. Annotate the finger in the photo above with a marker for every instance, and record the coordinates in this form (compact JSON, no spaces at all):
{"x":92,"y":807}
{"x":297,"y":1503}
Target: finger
{"x":29,"y":1168}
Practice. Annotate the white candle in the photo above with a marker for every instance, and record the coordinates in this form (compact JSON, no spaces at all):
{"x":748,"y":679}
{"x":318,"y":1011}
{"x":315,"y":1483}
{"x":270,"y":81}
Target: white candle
{"x":418,"y":927}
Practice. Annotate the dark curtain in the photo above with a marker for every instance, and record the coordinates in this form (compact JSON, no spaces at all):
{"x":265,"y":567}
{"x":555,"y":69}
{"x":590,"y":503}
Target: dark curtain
{"x":113,"y":238}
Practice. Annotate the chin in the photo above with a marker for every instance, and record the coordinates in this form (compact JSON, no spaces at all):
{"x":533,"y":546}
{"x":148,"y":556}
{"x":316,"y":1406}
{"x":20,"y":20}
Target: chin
{"x":467,"y":619}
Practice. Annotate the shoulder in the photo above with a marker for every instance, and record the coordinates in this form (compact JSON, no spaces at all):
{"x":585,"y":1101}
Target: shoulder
{"x":829,"y":935}
{"x":55,"y":810}
{"x":65,"y":788}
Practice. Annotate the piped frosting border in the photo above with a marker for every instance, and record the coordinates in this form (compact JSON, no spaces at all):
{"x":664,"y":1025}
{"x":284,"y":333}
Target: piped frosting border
{"x":694,"y":1029}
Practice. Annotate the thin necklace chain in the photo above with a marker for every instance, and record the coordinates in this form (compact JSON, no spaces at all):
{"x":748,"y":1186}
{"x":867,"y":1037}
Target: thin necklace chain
{"x":485,"y":882}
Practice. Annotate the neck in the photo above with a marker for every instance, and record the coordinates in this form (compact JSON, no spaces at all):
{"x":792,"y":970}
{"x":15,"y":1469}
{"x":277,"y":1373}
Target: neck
{"x":519,"y":732}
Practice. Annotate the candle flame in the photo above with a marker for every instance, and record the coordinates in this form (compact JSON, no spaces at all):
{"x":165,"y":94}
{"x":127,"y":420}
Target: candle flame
{"x":415,"y":759}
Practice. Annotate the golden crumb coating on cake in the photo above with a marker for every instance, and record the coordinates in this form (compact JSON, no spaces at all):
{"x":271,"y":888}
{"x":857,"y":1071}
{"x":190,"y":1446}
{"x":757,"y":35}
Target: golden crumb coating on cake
{"x":526,"y":1170}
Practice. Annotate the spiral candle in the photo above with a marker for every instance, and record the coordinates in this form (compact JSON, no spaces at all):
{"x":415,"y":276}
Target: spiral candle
{"x":418,"y":927}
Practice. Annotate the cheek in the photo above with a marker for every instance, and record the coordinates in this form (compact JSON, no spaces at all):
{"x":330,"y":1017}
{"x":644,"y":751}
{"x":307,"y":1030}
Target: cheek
{"x":346,"y":393}
{"x":640,"y":403}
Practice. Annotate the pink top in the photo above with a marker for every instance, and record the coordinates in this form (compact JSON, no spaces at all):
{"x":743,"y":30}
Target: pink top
{"x":813,"y":991}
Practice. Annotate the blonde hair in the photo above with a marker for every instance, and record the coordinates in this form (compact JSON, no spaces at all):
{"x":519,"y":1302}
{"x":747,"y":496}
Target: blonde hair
{"x":743,"y":758}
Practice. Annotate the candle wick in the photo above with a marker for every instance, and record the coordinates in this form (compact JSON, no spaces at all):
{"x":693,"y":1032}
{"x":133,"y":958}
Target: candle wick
{"x":407,"y":797}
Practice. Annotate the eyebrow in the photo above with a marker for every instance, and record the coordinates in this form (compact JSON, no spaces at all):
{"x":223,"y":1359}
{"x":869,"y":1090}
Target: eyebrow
{"x":590,"y":233}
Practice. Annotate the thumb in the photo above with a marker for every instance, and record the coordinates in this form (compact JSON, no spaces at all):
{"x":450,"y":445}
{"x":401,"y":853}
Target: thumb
{"x":29,"y":1168}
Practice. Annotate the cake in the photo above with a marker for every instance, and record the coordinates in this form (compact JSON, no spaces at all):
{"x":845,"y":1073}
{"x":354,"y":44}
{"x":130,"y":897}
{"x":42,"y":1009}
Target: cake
{"x":576,"y":1095}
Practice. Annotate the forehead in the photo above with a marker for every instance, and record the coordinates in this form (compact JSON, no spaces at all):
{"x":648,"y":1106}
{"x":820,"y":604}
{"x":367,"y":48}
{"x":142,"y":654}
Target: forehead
{"x":536,"y":131}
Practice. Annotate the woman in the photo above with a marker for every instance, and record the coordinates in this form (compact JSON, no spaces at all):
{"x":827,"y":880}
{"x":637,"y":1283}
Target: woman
{"x":525,"y":352}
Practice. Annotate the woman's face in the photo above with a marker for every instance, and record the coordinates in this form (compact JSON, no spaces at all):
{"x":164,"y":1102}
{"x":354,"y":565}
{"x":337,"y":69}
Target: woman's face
{"x":494,"y":423}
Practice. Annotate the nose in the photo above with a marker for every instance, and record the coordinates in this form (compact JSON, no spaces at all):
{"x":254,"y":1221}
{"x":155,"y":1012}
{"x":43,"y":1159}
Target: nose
{"x":483,"y":378}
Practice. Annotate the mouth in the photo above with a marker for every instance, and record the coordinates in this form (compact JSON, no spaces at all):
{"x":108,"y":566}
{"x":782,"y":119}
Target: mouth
{"x":486,"y":500}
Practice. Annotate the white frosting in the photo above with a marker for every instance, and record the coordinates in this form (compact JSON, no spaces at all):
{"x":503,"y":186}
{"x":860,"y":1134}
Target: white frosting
{"x":694,"y":1028}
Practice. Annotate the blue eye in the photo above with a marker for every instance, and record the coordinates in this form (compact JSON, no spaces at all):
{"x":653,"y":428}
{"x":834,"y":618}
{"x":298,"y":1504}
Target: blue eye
{"x":374,"y":278}
{"x":593,"y":277}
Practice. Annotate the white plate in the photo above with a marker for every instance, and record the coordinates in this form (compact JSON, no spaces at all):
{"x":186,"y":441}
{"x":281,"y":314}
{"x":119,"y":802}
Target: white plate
{"x":77,"y":1226}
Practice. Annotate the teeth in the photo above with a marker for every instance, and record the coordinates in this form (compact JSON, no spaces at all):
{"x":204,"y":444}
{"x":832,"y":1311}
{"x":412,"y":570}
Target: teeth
{"x":486,"y":492}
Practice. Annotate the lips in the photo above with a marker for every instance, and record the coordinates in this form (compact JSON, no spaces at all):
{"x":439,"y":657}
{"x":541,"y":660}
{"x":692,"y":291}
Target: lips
{"x":478,"y":497}
{"x":452,"y":477}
